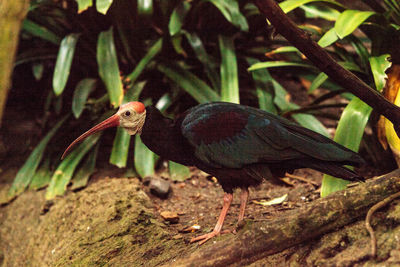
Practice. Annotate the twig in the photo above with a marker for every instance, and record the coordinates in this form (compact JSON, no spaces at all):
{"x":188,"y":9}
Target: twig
{"x":301,"y":179}
{"x":321,"y":58}
{"x":369,"y":216}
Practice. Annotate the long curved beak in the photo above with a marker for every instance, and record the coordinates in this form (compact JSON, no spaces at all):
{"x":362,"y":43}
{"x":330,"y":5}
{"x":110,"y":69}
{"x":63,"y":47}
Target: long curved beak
{"x":112,"y":121}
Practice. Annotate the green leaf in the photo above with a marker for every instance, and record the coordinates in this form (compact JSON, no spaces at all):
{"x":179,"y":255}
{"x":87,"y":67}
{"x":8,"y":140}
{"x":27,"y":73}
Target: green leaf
{"x":349,"y":133}
{"x":283,"y":49}
{"x":153,"y":51}
{"x":102,"y":6}
{"x":275,"y":64}
{"x":305,"y":120}
{"x":379,"y":65}
{"x":83,"y":5}
{"x":40,"y":31}
{"x":289,"y":5}
{"x":37,"y":70}
{"x":178,"y":17}
{"x":42,"y":176}
{"x":120,"y":149}
{"x":145,"y":7}
{"x":195,"y":87}
{"x":108,"y":67}
{"x":81,"y":94}
{"x":209,"y":63}
{"x":318,"y":11}
{"x":310,"y":122}
{"x":178,"y":172}
{"x":317,"y":82}
{"x":145,"y":159}
{"x":361,"y":50}
{"x":264,"y":88}
{"x":26,"y":172}
{"x":229,"y":72}
{"x":65,"y":170}
{"x":82,"y":176}
{"x":349,"y":20}
{"x":63,"y":63}
{"x":350,"y":66}
{"x":328,"y":38}
{"x":230,"y":10}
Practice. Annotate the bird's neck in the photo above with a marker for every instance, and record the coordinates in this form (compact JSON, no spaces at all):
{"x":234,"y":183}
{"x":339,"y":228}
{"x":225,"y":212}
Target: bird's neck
{"x":162,"y":136}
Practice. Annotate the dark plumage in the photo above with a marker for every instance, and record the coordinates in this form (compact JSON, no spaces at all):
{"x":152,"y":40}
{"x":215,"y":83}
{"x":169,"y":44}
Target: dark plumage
{"x":239,"y":145}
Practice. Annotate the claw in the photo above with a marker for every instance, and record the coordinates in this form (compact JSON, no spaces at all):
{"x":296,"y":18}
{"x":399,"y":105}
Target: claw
{"x":204,"y":238}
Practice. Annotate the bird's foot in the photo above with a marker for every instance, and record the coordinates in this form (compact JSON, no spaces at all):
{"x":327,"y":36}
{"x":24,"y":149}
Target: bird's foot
{"x":206,"y":237}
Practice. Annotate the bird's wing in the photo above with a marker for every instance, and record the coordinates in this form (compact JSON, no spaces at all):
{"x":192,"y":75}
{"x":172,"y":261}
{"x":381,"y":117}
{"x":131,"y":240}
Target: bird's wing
{"x":231,"y":135}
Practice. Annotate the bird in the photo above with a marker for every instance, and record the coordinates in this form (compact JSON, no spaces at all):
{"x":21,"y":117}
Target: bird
{"x":239,"y":145}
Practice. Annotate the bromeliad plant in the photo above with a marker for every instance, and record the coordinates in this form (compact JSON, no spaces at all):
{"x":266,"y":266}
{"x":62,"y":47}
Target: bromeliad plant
{"x":162,"y":52}
{"x":365,"y":52}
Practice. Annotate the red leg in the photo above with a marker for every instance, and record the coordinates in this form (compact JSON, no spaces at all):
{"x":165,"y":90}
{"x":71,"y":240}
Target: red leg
{"x":217,"y":229}
{"x":244,"y":197}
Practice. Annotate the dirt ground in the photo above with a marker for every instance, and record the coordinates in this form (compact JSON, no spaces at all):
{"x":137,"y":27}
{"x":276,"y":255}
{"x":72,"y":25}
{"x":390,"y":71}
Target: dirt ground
{"x":117,"y":222}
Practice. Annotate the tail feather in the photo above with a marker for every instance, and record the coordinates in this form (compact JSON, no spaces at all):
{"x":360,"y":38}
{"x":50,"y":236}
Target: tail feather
{"x":335,"y":169}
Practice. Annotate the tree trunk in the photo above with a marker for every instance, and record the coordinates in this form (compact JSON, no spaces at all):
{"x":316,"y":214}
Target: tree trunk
{"x":12,"y":14}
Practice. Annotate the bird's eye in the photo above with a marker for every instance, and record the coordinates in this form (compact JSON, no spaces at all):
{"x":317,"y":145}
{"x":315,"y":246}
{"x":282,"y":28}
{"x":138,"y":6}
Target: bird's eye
{"x":127,"y":113}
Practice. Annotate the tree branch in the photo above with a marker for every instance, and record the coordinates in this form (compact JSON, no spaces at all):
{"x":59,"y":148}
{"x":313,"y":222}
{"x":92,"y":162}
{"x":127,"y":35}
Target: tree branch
{"x":260,"y":239}
{"x":321,"y":58}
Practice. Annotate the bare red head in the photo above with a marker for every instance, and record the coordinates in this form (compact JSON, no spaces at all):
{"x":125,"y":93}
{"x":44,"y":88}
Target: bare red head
{"x":130,"y":116}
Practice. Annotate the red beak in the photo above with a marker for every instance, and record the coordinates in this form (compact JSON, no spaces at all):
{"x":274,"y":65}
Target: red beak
{"x":112,"y":121}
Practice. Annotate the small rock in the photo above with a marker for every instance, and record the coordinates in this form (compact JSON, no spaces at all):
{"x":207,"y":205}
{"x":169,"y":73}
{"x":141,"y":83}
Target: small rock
{"x":190,"y":229}
{"x":170,"y":216}
{"x":159,"y":187}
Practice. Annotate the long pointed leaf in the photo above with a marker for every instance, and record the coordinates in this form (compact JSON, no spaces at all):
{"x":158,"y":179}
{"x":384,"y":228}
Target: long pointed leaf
{"x":209,"y":63}
{"x":305,"y":120}
{"x":108,"y":67}
{"x":81,"y":93}
{"x":178,"y":17}
{"x":289,"y":5}
{"x":65,"y":170}
{"x":349,"y":20}
{"x":349,"y":133}
{"x":82,"y":176}
{"x":230,"y":10}
{"x":195,"y":87}
{"x":83,"y":5}
{"x":229,"y":72}
{"x":153,"y":51}
{"x":26,"y":172}
{"x":102,"y":6}
{"x":276,"y":64}
{"x":264,"y":87}
{"x":64,"y":62}
{"x":145,"y":159}
{"x":177,"y":171}
{"x":42,"y":176}
{"x":40,"y":31}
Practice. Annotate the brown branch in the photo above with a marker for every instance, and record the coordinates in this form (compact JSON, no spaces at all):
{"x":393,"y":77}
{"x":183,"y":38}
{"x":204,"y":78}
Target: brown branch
{"x":260,"y":239}
{"x":321,"y":58}
{"x":371,"y":211}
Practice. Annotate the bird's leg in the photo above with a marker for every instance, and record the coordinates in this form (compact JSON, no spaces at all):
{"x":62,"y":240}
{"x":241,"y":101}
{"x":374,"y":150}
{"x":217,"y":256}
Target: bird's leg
{"x":217,"y":229}
{"x":244,"y":197}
